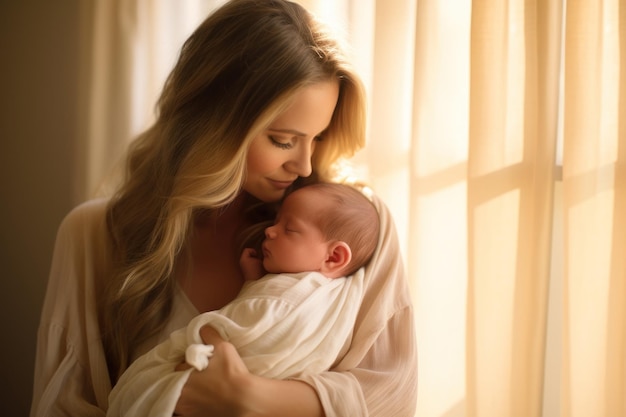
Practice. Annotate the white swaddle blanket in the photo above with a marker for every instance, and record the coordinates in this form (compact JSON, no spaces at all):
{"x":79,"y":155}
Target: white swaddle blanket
{"x":281,"y":325}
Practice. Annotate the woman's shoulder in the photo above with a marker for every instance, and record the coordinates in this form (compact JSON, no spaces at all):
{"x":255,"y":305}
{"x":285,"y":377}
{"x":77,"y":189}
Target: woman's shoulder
{"x":89,"y":208}
{"x":85,"y":224}
{"x":88,"y":212}
{"x":82,"y":250}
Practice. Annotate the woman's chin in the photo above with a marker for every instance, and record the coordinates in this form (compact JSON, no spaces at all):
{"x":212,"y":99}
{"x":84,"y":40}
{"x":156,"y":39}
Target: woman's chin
{"x":268,"y":196}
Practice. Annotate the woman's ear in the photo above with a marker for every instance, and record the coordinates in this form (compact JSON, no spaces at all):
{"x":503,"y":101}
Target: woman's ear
{"x":338,"y":257}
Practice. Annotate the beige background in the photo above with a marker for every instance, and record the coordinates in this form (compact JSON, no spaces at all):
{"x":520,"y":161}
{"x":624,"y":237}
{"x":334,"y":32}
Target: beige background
{"x":39,"y":44}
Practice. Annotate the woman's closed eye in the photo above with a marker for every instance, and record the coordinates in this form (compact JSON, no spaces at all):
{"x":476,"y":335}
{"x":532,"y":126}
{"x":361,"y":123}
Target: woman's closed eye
{"x":280,"y":143}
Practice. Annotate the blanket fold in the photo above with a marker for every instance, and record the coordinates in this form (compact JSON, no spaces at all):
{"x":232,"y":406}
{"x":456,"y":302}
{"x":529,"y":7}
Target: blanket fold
{"x":281,"y":325}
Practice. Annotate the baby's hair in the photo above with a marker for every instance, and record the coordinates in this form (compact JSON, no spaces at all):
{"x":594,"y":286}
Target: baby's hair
{"x":351,"y":217}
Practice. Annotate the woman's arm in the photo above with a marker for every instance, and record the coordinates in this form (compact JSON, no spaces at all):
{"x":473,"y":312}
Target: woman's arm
{"x":70,"y":365}
{"x":273,"y":397}
{"x":383,"y":384}
{"x":227,"y":388}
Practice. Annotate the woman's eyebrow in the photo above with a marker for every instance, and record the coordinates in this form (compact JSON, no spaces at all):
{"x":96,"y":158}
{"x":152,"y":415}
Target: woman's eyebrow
{"x":289,"y":131}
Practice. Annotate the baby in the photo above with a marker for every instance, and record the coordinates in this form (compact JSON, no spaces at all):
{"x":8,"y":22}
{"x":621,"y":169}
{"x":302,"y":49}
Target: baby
{"x":296,"y":319}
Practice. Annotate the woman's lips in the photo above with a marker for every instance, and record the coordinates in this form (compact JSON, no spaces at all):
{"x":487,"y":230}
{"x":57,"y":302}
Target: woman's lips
{"x":281,"y":185}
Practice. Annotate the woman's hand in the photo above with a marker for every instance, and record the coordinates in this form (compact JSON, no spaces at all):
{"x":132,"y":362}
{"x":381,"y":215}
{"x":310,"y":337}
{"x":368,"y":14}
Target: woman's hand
{"x":220,"y":388}
{"x":227,"y":389}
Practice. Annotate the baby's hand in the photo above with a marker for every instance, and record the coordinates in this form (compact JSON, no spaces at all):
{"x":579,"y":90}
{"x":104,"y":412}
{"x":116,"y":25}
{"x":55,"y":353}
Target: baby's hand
{"x":251,"y":265}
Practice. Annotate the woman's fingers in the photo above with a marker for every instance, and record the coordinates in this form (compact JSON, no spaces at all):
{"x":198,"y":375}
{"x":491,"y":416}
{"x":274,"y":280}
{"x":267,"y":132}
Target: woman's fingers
{"x":210,"y":336}
{"x":220,"y":388}
{"x":182,"y":366}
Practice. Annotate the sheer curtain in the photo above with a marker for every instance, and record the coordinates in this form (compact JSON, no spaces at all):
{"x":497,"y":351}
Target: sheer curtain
{"x":498,"y":139}
{"x":594,"y":181}
{"x":128,"y":49}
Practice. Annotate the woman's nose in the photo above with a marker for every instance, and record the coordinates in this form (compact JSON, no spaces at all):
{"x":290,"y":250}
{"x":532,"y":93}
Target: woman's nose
{"x":300,"y":164}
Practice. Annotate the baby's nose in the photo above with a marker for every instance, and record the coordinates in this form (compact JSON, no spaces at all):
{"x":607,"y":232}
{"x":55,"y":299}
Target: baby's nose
{"x":270,"y":233}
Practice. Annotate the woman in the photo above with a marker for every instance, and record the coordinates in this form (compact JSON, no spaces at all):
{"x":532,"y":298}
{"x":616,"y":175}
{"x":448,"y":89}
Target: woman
{"x":260,"y":100}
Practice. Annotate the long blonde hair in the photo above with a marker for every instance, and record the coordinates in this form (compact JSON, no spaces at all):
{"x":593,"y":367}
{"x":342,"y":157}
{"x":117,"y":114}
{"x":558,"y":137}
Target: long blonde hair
{"x":236,"y":73}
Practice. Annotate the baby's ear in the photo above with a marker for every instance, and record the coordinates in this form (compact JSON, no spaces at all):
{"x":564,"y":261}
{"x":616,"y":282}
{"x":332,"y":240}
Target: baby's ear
{"x":338,"y":257}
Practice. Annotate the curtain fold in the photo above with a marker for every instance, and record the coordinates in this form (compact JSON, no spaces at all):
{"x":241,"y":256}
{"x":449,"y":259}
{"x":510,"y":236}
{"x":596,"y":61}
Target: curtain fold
{"x":107,"y":79}
{"x":437,"y":251}
{"x":129,"y":48}
{"x":510,"y":196}
{"x":594,"y":348}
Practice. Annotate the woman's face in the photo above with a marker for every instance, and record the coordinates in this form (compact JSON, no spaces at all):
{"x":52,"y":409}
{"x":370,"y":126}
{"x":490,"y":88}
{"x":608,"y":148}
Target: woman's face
{"x":282,"y":153}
